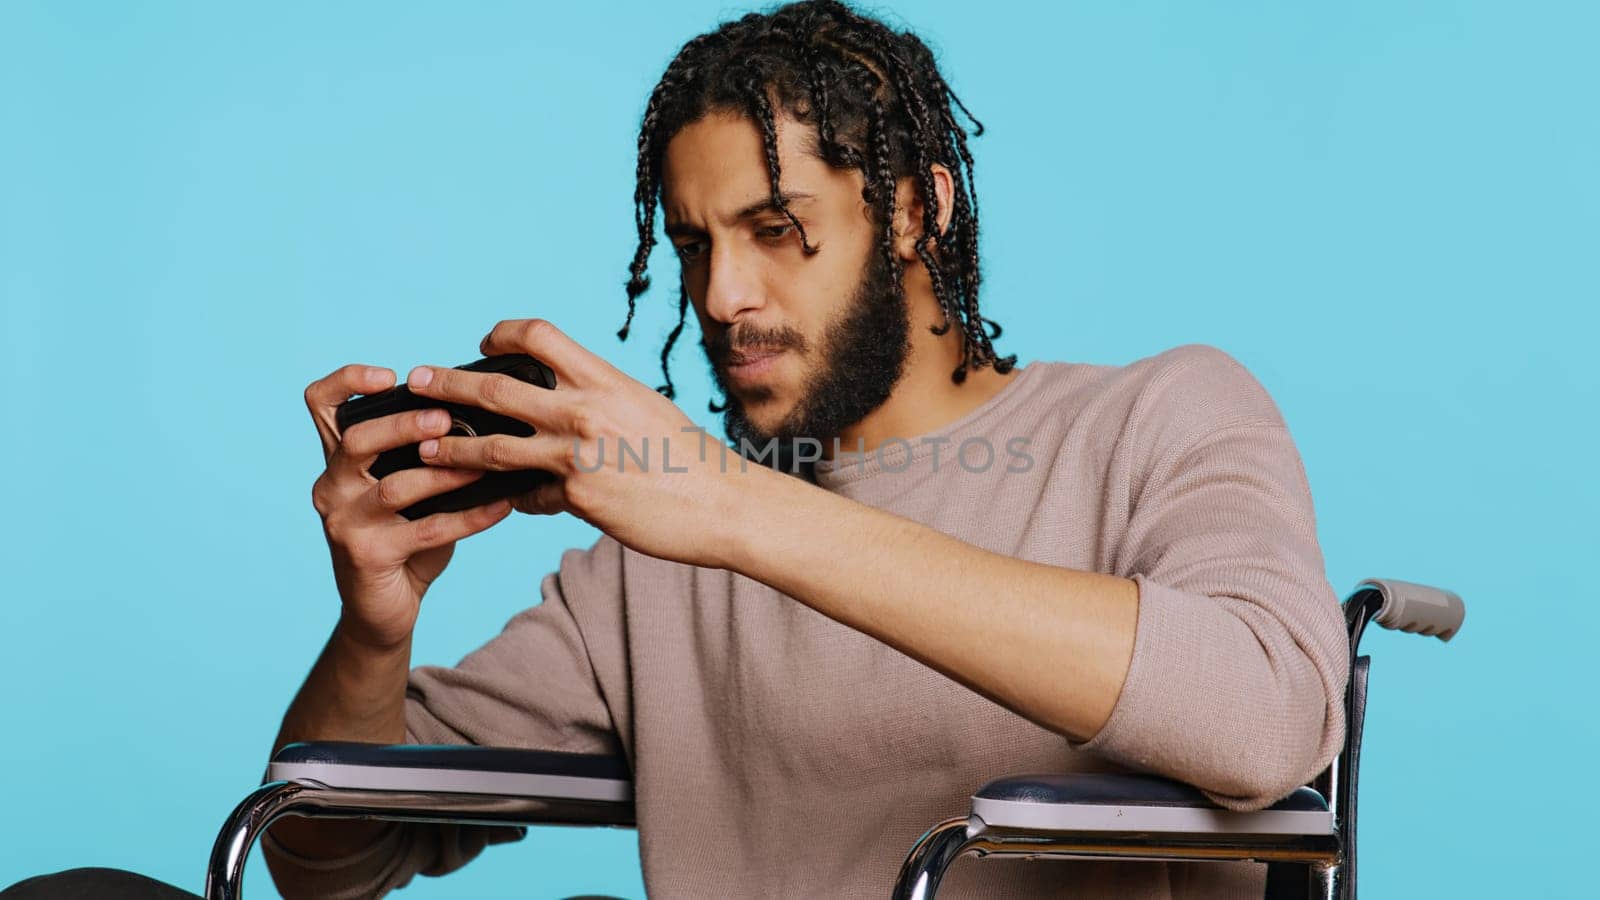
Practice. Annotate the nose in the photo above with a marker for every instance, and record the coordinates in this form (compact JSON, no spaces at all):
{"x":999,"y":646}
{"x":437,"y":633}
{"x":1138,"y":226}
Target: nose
{"x":733,"y":284}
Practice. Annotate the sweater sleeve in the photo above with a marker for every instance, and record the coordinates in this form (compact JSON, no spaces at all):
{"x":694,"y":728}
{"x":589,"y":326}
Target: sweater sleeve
{"x":1236,"y":684}
{"x":532,"y":686}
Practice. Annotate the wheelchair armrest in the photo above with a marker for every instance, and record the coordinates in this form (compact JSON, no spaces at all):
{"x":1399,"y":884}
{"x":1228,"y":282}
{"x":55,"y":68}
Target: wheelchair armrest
{"x":1417,"y":608}
{"x":462,"y":784}
{"x":455,"y":769}
{"x":1105,"y":803}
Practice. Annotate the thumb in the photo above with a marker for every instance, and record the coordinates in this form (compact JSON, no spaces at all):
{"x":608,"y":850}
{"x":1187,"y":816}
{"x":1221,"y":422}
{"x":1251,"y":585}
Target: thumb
{"x":547,"y":499}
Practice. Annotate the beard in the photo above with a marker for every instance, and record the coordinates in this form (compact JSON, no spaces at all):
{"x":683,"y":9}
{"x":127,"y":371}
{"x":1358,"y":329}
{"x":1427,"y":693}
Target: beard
{"x":862,"y":355}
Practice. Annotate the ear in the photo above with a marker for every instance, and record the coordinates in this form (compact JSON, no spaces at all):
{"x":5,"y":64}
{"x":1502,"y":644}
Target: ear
{"x":909,"y":210}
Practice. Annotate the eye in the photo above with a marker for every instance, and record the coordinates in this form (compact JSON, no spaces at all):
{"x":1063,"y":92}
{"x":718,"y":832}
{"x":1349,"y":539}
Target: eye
{"x":774,"y":232}
{"x":689,"y":250}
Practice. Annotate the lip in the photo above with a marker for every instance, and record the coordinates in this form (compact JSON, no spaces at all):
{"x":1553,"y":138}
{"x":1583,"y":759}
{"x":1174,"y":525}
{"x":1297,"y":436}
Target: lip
{"x":752,"y":366}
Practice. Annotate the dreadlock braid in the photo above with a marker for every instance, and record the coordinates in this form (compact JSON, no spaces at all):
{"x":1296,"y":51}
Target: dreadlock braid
{"x":648,"y":177}
{"x":672,"y":337}
{"x":879,"y":105}
{"x":761,"y":110}
{"x":917,"y":110}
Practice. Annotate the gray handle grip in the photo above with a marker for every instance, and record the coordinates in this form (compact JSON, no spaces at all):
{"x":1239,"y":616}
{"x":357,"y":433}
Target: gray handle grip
{"x":1418,"y":608}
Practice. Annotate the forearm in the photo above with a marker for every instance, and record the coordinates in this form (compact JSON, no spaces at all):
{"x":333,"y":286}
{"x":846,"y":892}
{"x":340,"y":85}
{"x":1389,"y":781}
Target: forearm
{"x":1049,"y":643}
{"x":353,"y":693}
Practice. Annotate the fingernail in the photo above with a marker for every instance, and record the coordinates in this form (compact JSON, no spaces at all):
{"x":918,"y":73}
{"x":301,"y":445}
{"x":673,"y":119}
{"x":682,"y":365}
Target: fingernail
{"x":434,"y":418}
{"x":420,"y":376}
{"x":428,"y":448}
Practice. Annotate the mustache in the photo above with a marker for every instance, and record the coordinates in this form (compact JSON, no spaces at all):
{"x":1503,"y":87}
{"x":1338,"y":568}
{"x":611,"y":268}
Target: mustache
{"x":751,"y":340}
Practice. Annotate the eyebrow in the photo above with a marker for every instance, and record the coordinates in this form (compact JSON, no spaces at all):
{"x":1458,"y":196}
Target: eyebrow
{"x":758,"y":208}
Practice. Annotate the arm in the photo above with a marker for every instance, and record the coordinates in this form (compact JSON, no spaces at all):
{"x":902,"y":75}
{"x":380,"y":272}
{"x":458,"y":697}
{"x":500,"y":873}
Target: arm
{"x":1217,"y":657}
{"x":1222,"y":671}
{"x":383,"y":564}
{"x":1039,"y":626}
{"x":355,"y":692}
{"x":534,"y":685}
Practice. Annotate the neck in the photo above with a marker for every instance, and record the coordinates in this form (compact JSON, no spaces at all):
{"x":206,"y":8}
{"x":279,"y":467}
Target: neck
{"x":925,"y":399}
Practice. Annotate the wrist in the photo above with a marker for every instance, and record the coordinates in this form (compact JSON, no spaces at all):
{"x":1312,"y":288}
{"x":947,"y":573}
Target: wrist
{"x":355,"y":637}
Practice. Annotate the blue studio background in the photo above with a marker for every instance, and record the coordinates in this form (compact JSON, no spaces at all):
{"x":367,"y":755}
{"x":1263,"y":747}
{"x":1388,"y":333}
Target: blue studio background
{"x":1388,"y":212}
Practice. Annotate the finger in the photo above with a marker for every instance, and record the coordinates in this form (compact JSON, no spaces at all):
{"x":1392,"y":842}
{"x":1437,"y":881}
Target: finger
{"x":573,"y":363}
{"x":499,"y":453}
{"x":400,"y":489}
{"x":499,"y":393}
{"x":363,"y":441}
{"x":447,"y":527}
{"x":324,"y":395}
{"x":545,"y":500}
{"x":347,"y":475}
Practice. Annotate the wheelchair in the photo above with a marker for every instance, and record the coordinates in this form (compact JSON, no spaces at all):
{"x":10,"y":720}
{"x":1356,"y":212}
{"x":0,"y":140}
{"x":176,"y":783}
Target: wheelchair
{"x":1307,"y":839}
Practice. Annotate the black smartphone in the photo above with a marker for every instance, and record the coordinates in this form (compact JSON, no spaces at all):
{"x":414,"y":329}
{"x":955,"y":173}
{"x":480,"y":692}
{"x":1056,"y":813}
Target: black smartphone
{"x":470,"y":421}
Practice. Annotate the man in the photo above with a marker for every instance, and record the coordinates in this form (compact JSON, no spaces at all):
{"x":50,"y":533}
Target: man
{"x":957,"y":569}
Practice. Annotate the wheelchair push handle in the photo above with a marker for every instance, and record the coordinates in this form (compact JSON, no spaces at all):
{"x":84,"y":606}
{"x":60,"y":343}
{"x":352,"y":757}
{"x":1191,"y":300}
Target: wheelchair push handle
{"x":1418,"y":608}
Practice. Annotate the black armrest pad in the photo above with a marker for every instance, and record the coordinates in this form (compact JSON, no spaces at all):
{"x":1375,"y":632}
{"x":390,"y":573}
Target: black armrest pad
{"x":1103,"y":789}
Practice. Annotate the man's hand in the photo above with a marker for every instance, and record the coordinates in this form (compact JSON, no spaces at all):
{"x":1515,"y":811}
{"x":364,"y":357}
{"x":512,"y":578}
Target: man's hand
{"x":672,"y":498}
{"x":383,"y":563}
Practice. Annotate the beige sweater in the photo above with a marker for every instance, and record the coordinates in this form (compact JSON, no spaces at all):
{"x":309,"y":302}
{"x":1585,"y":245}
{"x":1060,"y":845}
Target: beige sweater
{"x":779,"y":753}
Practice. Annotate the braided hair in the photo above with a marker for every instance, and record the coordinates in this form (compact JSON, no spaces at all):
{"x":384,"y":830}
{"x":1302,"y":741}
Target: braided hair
{"x":879,"y":105}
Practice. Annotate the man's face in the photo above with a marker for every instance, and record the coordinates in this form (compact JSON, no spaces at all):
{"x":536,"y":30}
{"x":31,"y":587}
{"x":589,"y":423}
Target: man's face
{"x":800,"y":345}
